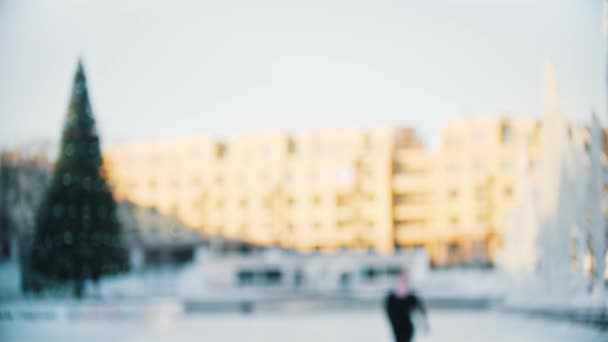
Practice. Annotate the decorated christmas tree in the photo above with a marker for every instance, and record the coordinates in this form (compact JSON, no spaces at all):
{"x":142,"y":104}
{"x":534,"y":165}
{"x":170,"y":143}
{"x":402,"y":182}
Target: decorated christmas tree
{"x":77,"y":235}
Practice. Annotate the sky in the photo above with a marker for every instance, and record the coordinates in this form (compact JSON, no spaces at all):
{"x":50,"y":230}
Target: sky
{"x":218,"y":68}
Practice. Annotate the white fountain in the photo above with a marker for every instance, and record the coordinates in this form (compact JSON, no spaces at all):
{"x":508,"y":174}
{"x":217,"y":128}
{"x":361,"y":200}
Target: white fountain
{"x":597,"y":205}
{"x":558,"y":225}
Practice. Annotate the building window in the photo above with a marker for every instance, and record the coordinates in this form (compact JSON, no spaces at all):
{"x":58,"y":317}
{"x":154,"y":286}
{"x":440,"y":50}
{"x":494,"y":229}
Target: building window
{"x":481,"y":193}
{"x":397,"y":168}
{"x":411,"y":198}
{"x":506,"y":134}
{"x":245,"y":277}
{"x":533,"y":164}
{"x":266,"y":176}
{"x":453,"y":193}
{"x":290,"y":177}
{"x":454,"y":221}
{"x":196,"y":154}
{"x":291,"y":201}
{"x":344,"y":175}
{"x":292,"y":147}
{"x":452,"y":168}
{"x":370,"y":273}
{"x":342,"y":224}
{"x":451,"y":142}
{"x":315,"y":176}
{"x":394,"y":271}
{"x":344,"y":200}
{"x":479,"y":166}
{"x":411,"y":223}
{"x":481,"y":137}
{"x":272,"y":277}
{"x":221,"y":151}
{"x":267,"y":202}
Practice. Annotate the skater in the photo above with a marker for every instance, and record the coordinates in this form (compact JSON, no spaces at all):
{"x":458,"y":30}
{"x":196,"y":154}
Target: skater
{"x":400,"y":304}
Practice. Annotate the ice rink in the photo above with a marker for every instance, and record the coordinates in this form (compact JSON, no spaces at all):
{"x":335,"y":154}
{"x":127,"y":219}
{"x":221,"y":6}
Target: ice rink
{"x":305,"y":327}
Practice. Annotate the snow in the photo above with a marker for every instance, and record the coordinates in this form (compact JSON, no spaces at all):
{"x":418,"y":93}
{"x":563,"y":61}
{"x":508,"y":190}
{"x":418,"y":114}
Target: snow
{"x":10,"y":280}
{"x":368,"y":325}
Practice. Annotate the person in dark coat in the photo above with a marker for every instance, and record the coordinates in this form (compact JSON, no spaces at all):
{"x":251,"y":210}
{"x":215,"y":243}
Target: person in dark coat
{"x":400,"y":304}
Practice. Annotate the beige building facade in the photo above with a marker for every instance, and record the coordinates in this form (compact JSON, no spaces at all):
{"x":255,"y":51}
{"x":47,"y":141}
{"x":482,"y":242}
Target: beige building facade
{"x":321,"y":190}
{"x":340,"y":188}
{"x":475,"y":184}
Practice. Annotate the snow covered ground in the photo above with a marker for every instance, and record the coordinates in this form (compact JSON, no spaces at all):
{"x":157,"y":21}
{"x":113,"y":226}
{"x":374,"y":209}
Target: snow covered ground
{"x":350,"y":326}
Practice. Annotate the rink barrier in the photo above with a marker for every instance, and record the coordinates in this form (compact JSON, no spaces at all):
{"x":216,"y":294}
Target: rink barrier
{"x":84,"y":312}
{"x":597,"y":317}
{"x":315,"y":303}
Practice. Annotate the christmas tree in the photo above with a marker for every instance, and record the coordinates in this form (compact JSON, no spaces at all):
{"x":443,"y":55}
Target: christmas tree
{"x":77,"y":235}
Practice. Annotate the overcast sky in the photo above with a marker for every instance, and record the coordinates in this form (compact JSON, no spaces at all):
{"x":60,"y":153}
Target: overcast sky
{"x":221,"y":67}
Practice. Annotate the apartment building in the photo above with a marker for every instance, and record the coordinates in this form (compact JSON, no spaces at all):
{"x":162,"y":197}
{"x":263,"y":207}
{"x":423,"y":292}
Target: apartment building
{"x":475,"y":183}
{"x":320,"y":190}
{"x":342,"y":188}
{"x":173,"y":177}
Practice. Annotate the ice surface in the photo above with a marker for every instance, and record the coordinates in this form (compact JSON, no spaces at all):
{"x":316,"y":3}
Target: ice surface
{"x":370,"y":325}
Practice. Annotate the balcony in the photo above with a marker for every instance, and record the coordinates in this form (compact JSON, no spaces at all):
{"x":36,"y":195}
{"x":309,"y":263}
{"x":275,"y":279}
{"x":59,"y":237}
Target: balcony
{"x":412,"y":234}
{"x":414,"y":157}
{"x":404,"y":183}
{"x":345,"y":214}
{"x":409,"y":211}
